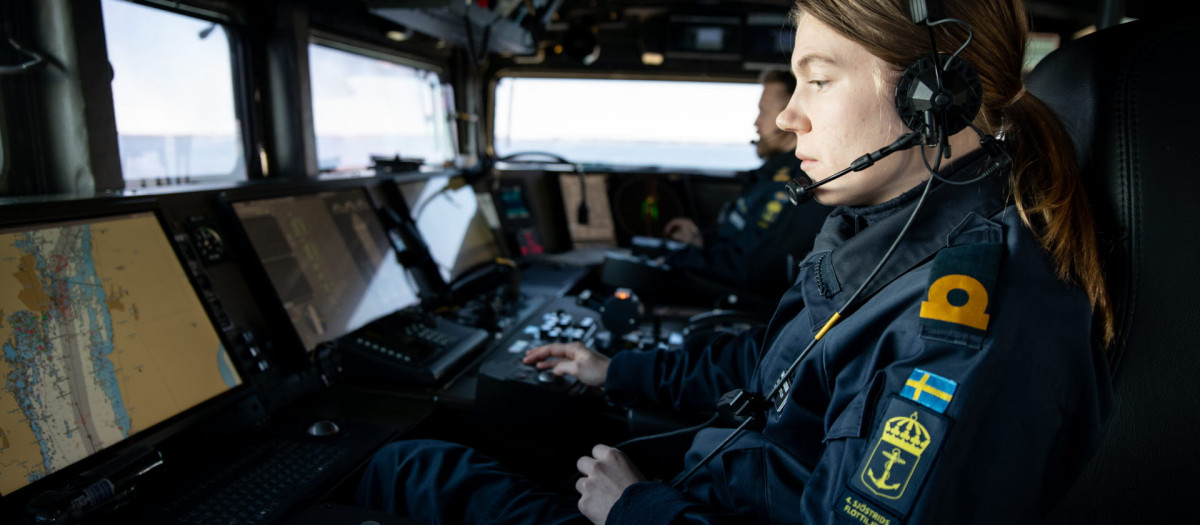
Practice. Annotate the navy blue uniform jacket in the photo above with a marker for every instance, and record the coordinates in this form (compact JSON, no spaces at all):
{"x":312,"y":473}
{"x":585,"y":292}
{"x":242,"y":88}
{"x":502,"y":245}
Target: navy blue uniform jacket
{"x":964,"y":388}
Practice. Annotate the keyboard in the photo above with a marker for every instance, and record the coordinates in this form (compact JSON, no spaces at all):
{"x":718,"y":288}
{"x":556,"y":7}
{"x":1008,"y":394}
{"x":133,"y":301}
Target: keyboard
{"x":257,"y":487}
{"x":400,"y":348}
{"x":276,"y":475}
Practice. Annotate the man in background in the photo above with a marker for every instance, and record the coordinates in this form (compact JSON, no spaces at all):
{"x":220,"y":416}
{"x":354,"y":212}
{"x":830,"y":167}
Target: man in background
{"x":749,"y":249}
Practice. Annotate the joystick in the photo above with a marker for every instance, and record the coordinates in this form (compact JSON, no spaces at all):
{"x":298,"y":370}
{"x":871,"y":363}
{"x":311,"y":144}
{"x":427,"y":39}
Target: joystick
{"x":548,"y":376}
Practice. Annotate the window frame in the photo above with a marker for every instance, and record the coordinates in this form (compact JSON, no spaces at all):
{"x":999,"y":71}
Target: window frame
{"x":365,"y":48}
{"x":233,"y":22}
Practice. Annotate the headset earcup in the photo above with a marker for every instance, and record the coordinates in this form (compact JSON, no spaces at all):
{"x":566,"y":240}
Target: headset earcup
{"x":916,"y":92}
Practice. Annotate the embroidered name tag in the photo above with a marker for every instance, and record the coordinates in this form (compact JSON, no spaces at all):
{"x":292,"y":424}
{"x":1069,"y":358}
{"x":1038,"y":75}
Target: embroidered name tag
{"x":853,"y":508}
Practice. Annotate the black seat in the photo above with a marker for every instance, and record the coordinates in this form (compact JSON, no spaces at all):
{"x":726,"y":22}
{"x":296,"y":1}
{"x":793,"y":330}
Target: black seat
{"x":1126,"y":95}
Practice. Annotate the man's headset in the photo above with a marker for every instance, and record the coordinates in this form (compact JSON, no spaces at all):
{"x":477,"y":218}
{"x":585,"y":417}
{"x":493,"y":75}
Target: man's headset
{"x":935,"y":102}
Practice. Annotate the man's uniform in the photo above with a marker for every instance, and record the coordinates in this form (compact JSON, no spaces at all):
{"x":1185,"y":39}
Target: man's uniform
{"x":755,"y":233}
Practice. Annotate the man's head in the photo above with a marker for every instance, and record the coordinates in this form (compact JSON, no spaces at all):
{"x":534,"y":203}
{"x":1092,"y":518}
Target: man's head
{"x":777,"y":89}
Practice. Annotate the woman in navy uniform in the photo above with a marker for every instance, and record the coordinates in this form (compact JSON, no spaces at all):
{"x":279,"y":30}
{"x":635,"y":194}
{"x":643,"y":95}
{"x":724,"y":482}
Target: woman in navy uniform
{"x":964,"y":381}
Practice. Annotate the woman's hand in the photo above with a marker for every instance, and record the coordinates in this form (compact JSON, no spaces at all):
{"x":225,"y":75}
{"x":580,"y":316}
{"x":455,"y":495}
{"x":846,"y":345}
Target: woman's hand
{"x":588,"y":366}
{"x":606,"y":474}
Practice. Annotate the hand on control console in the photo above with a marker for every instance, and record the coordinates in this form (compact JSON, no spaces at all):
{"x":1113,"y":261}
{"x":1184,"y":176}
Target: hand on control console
{"x":684,"y":230}
{"x":588,"y":366}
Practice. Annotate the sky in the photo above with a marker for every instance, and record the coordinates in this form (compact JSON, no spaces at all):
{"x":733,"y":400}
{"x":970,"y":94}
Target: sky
{"x":657,"y":111}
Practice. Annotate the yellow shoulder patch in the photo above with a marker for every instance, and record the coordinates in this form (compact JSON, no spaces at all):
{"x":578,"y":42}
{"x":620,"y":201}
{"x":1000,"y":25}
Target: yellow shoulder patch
{"x":783,"y":175}
{"x":770,"y":213}
{"x":958,"y":304}
{"x":970,"y":313}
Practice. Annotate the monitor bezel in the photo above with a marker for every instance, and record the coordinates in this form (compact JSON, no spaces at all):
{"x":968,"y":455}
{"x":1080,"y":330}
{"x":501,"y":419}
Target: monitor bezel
{"x":396,"y":193}
{"x":260,"y":280}
{"x":33,"y":213}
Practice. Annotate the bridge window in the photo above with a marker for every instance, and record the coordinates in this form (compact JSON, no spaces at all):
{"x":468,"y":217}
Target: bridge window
{"x":629,"y":123}
{"x":173,"y":95}
{"x":366,"y":106}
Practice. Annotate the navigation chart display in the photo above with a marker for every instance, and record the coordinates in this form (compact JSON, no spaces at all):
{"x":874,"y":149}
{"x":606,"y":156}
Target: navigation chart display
{"x":101,"y":336}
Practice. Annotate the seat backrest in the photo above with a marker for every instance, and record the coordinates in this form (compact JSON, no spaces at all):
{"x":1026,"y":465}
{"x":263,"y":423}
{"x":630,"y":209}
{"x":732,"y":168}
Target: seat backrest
{"x":1126,"y":96}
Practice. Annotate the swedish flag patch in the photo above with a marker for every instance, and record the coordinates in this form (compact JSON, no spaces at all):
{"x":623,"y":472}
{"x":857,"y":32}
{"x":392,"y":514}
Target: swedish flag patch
{"x":929,"y":389}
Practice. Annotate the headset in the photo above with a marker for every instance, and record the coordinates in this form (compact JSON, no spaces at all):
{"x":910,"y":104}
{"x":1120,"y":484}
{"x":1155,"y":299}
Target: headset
{"x":936,"y":97}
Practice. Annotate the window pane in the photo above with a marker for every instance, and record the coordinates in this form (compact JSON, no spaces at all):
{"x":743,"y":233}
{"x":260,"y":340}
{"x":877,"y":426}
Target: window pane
{"x":173,"y":96}
{"x":365,"y":106}
{"x":706,"y":125}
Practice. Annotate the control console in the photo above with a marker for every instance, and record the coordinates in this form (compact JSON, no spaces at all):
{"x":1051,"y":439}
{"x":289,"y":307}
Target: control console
{"x":560,"y":321}
{"x":408,"y":347}
{"x":519,"y":399}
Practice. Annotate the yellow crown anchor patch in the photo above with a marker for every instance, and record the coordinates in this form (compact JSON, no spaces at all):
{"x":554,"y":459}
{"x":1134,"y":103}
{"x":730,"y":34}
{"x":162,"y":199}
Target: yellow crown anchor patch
{"x":895,"y":457}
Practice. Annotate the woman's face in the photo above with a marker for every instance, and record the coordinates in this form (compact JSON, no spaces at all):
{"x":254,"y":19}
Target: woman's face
{"x":843,"y":108}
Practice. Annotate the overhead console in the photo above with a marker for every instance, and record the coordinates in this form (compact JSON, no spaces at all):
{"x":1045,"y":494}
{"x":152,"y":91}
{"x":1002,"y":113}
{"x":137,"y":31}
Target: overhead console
{"x":712,"y":37}
{"x":756,"y":40}
{"x":508,"y":28}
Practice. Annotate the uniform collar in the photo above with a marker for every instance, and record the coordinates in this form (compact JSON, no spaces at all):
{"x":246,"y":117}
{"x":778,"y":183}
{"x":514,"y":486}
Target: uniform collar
{"x":855,"y":219}
{"x":844,"y":254}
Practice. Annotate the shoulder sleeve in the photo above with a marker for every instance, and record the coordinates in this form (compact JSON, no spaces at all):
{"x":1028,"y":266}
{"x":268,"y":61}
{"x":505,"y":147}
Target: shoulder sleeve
{"x":694,"y":377}
{"x":995,"y":398}
{"x":995,"y":455}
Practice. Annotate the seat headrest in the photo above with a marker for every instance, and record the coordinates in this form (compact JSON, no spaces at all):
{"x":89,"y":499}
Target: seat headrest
{"x":1126,"y":96}
{"x":1132,"y":68}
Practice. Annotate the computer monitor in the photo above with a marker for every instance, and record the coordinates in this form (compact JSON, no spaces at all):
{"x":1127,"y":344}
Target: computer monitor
{"x":329,"y":260}
{"x":516,"y":217}
{"x":453,"y":223}
{"x":102,"y":336}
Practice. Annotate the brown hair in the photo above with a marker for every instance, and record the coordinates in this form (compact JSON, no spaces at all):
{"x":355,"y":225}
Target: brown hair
{"x":1046,"y":187}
